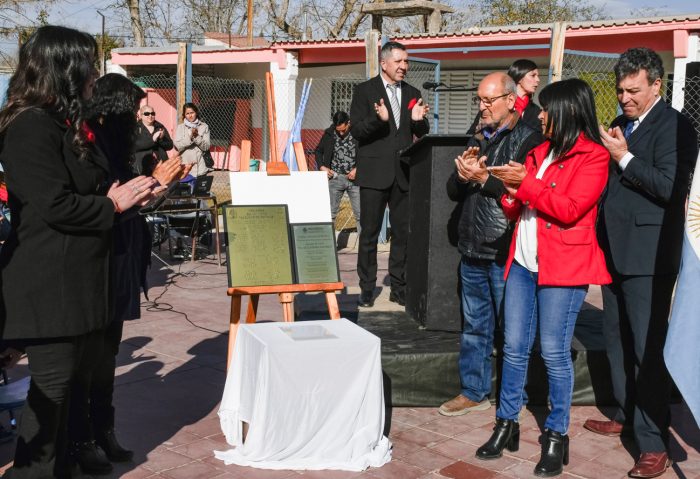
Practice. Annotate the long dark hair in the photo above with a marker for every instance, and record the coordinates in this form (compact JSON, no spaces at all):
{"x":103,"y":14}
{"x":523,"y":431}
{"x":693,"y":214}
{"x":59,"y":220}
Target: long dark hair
{"x":570,"y":111}
{"x":113,"y":115}
{"x":55,"y":65}
{"x":520,"y":68}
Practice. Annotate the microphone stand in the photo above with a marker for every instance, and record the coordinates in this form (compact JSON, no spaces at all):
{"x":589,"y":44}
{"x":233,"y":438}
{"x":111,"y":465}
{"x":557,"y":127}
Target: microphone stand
{"x":443,"y":88}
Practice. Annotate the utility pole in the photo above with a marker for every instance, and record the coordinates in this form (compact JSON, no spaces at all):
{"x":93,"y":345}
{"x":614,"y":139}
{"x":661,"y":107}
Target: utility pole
{"x":250,"y":23}
{"x":103,"y":57}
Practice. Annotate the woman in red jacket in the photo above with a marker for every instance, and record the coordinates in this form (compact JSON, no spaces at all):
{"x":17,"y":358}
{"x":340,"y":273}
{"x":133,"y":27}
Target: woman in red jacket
{"x":553,"y":258}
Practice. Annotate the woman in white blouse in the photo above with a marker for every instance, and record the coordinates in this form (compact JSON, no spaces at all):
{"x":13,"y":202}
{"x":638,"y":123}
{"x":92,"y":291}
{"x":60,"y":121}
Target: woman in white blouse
{"x":192,"y":139}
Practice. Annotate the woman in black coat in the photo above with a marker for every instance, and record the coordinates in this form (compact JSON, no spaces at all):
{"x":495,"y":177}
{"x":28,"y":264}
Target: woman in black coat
{"x":151,"y":144}
{"x":112,"y":118}
{"x":54,"y":266}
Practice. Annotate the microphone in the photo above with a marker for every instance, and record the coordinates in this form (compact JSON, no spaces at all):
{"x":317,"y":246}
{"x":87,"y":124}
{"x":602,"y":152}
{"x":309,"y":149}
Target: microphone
{"x":429,"y":85}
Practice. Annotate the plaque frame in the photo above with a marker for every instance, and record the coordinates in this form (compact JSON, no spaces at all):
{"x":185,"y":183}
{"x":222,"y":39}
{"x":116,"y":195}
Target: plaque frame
{"x":289,"y":262}
{"x":297,"y":276}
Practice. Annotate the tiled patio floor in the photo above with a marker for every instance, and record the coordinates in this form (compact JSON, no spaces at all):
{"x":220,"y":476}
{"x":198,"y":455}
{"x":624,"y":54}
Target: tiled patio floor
{"x":171,"y":376}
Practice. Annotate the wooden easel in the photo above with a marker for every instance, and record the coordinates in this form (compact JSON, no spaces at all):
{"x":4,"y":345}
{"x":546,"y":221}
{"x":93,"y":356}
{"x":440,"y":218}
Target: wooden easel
{"x":285,"y":291}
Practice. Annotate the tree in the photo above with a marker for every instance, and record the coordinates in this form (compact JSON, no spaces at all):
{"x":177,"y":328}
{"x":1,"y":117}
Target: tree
{"x":522,"y":12}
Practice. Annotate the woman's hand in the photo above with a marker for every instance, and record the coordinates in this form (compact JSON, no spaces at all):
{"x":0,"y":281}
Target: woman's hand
{"x":167,"y":171}
{"x":134,"y":192}
{"x":511,"y":174}
{"x":512,"y":190}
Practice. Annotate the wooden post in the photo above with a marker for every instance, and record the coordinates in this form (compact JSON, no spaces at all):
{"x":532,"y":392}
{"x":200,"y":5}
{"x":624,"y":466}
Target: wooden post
{"x":372,"y":53}
{"x":556,"y":49}
{"x":181,"y":76}
{"x":245,"y":155}
{"x":250,"y":23}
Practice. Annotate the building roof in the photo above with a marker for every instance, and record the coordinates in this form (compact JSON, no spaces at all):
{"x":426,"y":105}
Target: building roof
{"x":535,"y":27}
{"x":240,"y":41}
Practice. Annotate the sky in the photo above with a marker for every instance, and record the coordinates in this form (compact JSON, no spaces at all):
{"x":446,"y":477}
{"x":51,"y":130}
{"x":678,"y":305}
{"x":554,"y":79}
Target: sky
{"x":82,"y":14}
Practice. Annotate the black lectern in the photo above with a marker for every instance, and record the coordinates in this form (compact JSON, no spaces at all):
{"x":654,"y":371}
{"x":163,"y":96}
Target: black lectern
{"x":432,"y":268}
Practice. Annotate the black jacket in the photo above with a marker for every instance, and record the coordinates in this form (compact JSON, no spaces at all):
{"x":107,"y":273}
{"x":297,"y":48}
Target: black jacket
{"x":324,"y":150}
{"x":644,"y":206}
{"x":378,"y":160}
{"x":484,"y":231}
{"x":54,"y":267}
{"x":145,"y":148}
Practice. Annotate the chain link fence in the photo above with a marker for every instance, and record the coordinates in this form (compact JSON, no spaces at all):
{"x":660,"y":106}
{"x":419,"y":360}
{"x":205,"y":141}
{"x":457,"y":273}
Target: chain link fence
{"x":597,"y":70}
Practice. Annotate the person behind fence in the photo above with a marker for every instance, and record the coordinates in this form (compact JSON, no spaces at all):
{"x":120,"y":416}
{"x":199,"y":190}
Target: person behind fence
{"x":54,"y":267}
{"x":386,"y":113}
{"x":484,"y":234}
{"x":335,"y":155}
{"x":526,"y":77}
{"x":553,"y":258}
{"x":192,"y":140}
{"x":653,"y":149}
{"x":152,"y":142}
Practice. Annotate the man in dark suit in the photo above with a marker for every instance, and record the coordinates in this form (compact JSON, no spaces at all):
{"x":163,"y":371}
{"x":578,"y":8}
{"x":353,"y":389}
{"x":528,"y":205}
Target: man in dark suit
{"x":653,"y":150}
{"x":385,"y":114}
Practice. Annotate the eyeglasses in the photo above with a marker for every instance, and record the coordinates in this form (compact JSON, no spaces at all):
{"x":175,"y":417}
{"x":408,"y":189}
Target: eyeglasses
{"x":149,"y":113}
{"x":487,"y":101}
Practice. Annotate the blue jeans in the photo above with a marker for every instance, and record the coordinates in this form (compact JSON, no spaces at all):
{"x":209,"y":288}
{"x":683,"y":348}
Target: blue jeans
{"x":528,"y":306}
{"x":482,"y":300}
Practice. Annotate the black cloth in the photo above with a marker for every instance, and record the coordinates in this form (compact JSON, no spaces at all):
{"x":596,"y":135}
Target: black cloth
{"x":54,"y":268}
{"x":641,"y":232}
{"x":530,"y":117}
{"x":326,"y":149}
{"x":382,"y":176}
{"x":146,"y":151}
{"x":484,"y":231}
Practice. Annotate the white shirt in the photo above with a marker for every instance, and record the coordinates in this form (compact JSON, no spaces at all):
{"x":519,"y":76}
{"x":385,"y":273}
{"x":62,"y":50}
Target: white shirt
{"x":628,"y":156}
{"x":526,"y":241}
{"x":388,"y":93}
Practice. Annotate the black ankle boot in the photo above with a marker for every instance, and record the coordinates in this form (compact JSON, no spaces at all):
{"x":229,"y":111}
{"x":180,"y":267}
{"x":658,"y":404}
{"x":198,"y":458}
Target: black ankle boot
{"x":90,"y":458}
{"x":107,"y":440}
{"x":555,"y":454}
{"x":506,"y":434}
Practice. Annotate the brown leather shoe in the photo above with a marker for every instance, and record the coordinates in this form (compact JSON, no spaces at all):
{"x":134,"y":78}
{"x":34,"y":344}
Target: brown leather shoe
{"x":462,"y":405}
{"x":605,"y":428}
{"x":650,"y":464}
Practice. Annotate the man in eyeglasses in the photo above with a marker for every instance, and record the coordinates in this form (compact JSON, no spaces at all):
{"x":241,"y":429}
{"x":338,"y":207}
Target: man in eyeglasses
{"x":484,"y":233}
{"x":152,"y":142}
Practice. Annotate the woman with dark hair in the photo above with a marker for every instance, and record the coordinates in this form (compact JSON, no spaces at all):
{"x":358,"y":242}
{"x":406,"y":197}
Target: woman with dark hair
{"x":526,"y":77}
{"x":192,"y":139}
{"x":113,"y":120}
{"x":553,"y":258}
{"x":54,"y":266}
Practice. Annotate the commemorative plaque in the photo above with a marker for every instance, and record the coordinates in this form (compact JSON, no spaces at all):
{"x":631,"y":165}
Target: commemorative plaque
{"x":258,"y":245}
{"x":315,"y":258}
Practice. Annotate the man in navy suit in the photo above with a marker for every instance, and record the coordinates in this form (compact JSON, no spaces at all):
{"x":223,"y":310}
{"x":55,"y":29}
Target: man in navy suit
{"x":653,"y":149}
{"x":385,"y":115}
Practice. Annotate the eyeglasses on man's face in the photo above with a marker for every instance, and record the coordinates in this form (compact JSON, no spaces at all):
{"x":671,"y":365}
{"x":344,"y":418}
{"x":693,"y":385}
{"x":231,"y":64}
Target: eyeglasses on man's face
{"x":487,"y":101}
{"x":149,"y":113}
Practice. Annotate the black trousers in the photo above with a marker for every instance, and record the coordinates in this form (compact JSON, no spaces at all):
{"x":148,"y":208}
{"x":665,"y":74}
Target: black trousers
{"x":636,"y":310}
{"x":42,"y":440}
{"x":91,"y":412}
{"x":373,"y":202}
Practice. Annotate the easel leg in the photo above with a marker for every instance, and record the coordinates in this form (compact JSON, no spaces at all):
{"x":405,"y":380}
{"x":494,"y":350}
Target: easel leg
{"x":287,"y":307}
{"x":252,"y":314}
{"x":233,"y":326}
{"x":332,"y":303}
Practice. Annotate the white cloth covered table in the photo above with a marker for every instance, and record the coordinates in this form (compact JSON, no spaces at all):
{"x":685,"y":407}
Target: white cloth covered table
{"x":312,"y":395}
